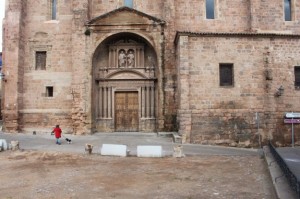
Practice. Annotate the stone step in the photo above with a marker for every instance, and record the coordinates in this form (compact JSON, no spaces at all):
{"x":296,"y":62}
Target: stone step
{"x":176,"y":137}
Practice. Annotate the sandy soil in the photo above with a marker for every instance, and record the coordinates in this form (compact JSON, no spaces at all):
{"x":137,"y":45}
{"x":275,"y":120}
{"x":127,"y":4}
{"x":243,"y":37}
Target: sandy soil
{"x":33,"y":174}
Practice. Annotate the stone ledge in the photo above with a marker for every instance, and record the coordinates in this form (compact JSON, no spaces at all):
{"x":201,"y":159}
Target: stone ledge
{"x":165,"y":134}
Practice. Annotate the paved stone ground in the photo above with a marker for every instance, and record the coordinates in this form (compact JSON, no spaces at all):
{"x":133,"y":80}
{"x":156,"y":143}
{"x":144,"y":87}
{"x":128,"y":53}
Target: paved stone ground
{"x":46,"y":142}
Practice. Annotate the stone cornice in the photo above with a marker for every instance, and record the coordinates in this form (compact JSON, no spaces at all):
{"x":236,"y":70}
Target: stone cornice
{"x":121,"y":9}
{"x":231,"y":34}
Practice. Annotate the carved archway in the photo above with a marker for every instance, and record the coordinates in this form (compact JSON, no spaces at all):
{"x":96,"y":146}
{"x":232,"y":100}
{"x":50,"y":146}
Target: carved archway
{"x":124,"y":85}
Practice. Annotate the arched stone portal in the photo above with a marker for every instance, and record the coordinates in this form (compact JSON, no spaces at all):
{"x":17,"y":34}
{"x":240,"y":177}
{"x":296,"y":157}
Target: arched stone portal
{"x":124,"y":85}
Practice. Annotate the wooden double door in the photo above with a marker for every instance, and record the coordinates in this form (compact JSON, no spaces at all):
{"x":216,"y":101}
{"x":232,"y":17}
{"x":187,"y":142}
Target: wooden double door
{"x":126,"y":112}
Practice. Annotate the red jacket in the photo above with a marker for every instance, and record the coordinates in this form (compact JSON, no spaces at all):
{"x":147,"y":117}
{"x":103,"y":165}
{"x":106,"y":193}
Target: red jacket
{"x":57,"y":132}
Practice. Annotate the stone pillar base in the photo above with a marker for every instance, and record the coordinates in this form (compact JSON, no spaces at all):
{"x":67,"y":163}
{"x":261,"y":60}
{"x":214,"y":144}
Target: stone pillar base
{"x":185,"y":125}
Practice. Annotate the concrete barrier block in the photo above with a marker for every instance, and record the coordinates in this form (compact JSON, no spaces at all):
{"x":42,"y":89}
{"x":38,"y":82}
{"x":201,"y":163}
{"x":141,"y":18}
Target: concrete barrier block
{"x":3,"y":144}
{"x":149,"y":151}
{"x":114,"y":150}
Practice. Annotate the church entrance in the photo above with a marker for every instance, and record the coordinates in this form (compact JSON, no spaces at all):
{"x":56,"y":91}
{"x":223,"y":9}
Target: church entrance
{"x":125,"y":93}
{"x":126,"y":111}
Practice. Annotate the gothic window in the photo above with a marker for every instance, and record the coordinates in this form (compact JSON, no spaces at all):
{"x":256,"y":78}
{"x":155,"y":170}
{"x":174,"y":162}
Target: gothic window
{"x":210,"y":9}
{"x":226,"y":74}
{"x":128,"y":3}
{"x":297,"y":76}
{"x":288,"y":10}
{"x":53,"y":9}
{"x":40,"y":60}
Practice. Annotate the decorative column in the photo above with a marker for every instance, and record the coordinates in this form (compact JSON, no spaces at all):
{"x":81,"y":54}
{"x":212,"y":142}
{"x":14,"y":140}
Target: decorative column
{"x":109,"y":115}
{"x":100,"y":110}
{"x":143,"y":102}
{"x":152,"y":102}
{"x":105,"y":102}
{"x":147,"y":102}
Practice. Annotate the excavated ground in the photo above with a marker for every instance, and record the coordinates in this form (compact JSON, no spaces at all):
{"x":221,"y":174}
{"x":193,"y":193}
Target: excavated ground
{"x":36,"y":174}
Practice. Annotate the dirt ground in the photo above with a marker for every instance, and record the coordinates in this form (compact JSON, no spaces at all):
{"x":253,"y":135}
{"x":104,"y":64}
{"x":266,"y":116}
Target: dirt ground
{"x":33,"y":174}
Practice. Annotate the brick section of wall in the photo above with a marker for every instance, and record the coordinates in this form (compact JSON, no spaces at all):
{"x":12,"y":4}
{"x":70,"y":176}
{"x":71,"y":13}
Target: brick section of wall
{"x":226,"y":115}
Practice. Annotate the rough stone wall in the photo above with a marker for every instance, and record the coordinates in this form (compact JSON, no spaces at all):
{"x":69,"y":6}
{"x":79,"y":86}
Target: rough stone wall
{"x":284,"y":56}
{"x":269,"y":17}
{"x":41,"y":113}
{"x":226,"y":115}
{"x":184,"y":111}
{"x":230,"y":16}
{"x":13,"y":59}
{"x":170,"y":75}
{"x":81,"y":68}
{"x":100,"y":7}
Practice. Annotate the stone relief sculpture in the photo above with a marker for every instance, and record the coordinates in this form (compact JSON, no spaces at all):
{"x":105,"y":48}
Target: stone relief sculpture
{"x":130,"y":58}
{"x":150,"y":62}
{"x":126,"y":60}
{"x":122,"y":59}
{"x":128,"y":55}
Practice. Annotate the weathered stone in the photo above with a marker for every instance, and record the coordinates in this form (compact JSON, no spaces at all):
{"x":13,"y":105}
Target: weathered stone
{"x":175,"y":73}
{"x":15,"y":145}
{"x":178,"y":152}
{"x":233,"y":144}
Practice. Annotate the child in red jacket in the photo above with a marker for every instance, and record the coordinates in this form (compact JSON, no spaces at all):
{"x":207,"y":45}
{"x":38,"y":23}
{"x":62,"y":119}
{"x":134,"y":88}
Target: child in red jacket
{"x":57,"y":134}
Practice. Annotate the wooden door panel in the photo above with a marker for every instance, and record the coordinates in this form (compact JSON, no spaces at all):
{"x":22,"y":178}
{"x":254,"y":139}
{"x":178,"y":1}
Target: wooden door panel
{"x":126,"y":111}
{"x":119,"y":107}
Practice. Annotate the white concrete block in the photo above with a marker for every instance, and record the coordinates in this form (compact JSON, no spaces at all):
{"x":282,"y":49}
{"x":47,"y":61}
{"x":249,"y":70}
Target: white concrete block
{"x":149,"y":151}
{"x":3,"y":144}
{"x":114,"y":150}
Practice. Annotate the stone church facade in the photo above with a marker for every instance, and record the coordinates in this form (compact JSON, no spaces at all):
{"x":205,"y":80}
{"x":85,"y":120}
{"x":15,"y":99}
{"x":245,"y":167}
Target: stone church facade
{"x":217,"y":72}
